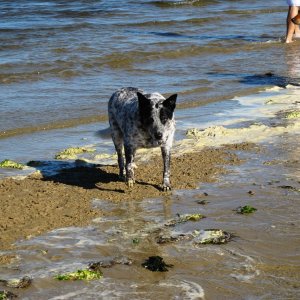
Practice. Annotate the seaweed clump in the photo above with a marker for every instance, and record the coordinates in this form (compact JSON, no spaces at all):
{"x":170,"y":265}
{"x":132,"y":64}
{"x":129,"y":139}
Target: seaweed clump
{"x":184,"y":219}
{"x":156,"y":264}
{"x":211,"y":236}
{"x":80,"y":275}
{"x":24,"y":282}
{"x":244,"y":210}
{"x":72,"y":152}
{"x":288,"y":187}
{"x":11,"y":164}
{"x":122,"y":260}
{"x":6,"y":295}
{"x":292,"y":115}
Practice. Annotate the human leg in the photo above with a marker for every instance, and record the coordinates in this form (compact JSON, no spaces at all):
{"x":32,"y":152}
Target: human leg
{"x":291,"y":27}
{"x":297,"y":29}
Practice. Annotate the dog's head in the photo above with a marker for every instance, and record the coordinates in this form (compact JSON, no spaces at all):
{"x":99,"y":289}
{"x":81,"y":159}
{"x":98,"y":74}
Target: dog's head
{"x":156,"y":115}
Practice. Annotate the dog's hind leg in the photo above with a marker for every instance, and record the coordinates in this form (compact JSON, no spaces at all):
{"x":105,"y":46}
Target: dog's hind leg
{"x":119,"y":150}
{"x":129,"y":156}
{"x":117,"y":138}
{"x":166,"y":155}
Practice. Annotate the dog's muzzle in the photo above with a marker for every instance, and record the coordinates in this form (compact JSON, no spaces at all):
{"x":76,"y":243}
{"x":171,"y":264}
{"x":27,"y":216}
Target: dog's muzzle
{"x":158,"y":136}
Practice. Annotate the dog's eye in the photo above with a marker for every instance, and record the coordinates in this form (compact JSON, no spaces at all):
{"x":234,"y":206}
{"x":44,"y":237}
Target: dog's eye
{"x":149,"y":121}
{"x":165,"y":115}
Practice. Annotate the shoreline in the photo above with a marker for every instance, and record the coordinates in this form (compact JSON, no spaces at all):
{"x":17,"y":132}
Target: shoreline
{"x":102,"y":117}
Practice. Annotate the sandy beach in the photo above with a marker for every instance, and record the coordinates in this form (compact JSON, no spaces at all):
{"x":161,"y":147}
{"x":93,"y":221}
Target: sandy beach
{"x":58,"y":221}
{"x":38,"y":204}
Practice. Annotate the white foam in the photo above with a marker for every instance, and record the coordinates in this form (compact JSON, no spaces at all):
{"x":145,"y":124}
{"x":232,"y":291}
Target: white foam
{"x":72,"y":295}
{"x":191,"y":290}
{"x":244,"y":267}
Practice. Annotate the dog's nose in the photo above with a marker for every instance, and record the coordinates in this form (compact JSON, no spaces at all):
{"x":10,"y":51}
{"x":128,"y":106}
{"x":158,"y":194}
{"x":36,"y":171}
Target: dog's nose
{"x":158,"y":135}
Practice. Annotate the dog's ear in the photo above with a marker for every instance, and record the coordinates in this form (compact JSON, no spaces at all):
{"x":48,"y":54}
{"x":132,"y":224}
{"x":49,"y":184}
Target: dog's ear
{"x":170,"y":102}
{"x":144,"y":105}
{"x":166,"y":113}
{"x":142,"y":99}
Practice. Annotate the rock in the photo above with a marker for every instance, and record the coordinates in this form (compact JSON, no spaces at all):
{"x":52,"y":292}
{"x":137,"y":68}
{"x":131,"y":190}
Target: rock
{"x":211,"y":236}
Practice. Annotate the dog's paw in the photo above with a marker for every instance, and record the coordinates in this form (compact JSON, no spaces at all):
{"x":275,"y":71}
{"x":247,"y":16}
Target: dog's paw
{"x":122,"y":178}
{"x":130,"y":183}
{"x":166,"y":188}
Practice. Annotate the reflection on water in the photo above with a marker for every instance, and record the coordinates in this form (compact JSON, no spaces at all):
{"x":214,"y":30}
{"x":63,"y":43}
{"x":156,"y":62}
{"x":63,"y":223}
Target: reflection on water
{"x":292,"y":60}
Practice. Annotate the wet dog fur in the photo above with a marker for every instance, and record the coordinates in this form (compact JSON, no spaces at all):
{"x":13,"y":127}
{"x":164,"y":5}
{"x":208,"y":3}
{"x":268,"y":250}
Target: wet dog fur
{"x":139,"y":120}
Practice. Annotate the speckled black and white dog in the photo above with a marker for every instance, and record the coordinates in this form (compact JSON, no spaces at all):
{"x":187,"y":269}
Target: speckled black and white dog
{"x":139,"y":120}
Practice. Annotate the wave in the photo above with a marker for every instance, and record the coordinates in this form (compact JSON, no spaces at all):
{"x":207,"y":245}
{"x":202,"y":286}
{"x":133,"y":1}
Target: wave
{"x":38,"y":29}
{"x":167,"y":23}
{"x":80,"y":60}
{"x":247,"y":11}
{"x":167,"y":4}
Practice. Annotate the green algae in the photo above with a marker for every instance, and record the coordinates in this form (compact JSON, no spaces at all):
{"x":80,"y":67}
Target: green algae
{"x":11,"y":164}
{"x":193,"y":133}
{"x":184,"y":219}
{"x":17,"y":283}
{"x":136,"y":241}
{"x":206,"y":236}
{"x":72,"y":152}
{"x":211,"y":236}
{"x":292,"y":115}
{"x":247,"y":209}
{"x":80,"y":275}
{"x":6,"y":295}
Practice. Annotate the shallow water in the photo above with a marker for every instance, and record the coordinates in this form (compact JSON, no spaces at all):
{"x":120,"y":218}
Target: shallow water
{"x":261,"y":261}
{"x":61,"y":61}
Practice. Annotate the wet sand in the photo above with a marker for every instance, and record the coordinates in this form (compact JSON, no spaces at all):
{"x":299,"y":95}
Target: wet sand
{"x":38,"y":204}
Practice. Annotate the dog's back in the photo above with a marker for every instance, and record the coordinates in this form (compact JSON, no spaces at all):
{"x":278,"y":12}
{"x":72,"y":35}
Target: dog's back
{"x":123,"y":111}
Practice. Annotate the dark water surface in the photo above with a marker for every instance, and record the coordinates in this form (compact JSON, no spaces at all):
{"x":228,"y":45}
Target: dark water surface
{"x":61,"y":60}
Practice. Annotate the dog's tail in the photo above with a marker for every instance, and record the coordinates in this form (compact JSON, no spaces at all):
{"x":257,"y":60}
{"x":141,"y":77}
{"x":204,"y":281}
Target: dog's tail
{"x":104,"y":133}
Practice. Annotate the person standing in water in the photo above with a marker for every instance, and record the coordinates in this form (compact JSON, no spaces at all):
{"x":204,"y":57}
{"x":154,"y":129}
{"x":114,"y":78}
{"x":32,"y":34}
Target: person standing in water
{"x":291,"y":28}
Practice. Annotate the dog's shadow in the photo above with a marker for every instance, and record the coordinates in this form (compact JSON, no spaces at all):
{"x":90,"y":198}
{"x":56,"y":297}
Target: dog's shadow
{"x":84,"y":175}
{"x":78,"y":173}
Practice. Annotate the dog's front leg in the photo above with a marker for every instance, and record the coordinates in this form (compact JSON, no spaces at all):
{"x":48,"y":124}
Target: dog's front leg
{"x":129,"y":156}
{"x":166,"y":155}
{"x":121,"y":163}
